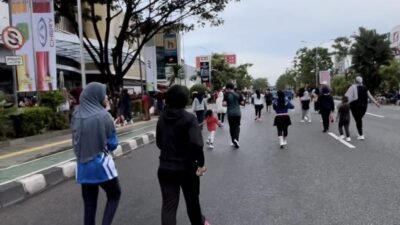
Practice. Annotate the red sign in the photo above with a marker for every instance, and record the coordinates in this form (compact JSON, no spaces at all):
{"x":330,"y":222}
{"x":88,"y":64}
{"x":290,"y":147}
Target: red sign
{"x":230,"y":59}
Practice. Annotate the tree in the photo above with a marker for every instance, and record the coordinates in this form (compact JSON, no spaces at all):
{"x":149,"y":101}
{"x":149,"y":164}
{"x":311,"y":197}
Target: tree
{"x":221,"y":72}
{"x":340,"y":84}
{"x":242,"y":77}
{"x":390,"y":75}
{"x":370,"y":51}
{"x":287,"y":80}
{"x":305,"y":64}
{"x":260,"y":84}
{"x":140,"y":20}
{"x":342,"y":50}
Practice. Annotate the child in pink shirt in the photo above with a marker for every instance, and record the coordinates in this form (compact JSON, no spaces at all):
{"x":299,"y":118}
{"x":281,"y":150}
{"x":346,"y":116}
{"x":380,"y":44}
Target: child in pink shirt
{"x":212,"y":124}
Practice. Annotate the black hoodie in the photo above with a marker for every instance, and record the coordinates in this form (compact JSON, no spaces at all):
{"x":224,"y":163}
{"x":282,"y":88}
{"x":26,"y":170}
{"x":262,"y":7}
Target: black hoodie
{"x":180,"y":140}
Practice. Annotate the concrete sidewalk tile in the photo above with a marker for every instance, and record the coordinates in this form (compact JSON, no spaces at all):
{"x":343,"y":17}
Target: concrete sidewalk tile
{"x":68,"y":169}
{"x":139,"y":141}
{"x":33,"y":184}
{"x":53,"y":176}
{"x":11,"y":193}
{"x":118,"y":152}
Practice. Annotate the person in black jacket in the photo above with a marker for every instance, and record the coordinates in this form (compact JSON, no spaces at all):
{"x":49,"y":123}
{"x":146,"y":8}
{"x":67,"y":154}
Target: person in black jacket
{"x":326,"y":107}
{"x":179,"y":138}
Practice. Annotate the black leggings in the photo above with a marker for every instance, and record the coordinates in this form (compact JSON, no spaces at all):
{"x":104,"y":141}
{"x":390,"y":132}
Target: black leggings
{"x":221,"y":117}
{"x":90,"y":193}
{"x":258,"y":109}
{"x":171,"y":182}
{"x":234,"y":127}
{"x":282,"y":130}
{"x":358,"y":112}
{"x":325,"y":119}
{"x":344,"y":124}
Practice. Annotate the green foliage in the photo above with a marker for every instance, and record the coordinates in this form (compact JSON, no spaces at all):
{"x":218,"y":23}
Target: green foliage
{"x":342,"y":49}
{"x":287,"y":80}
{"x":390,"y":75}
{"x":58,"y":121}
{"x":260,"y":84}
{"x":51,"y":99}
{"x":139,"y":21}
{"x":31,"y":121}
{"x":5,"y":122}
{"x":370,"y":51}
{"x":305,"y":63}
{"x":339,"y":85}
{"x":201,"y":89}
{"x":221,"y":72}
{"x":242,"y":76}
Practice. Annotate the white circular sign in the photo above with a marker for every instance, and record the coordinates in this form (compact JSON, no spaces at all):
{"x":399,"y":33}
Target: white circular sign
{"x":12,"y":38}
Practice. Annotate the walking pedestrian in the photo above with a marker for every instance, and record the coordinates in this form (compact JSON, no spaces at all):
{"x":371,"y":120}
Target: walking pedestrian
{"x":127,"y":106}
{"x":199,"y":106}
{"x":233,"y":101}
{"x":258,"y":99}
{"x":179,"y":138}
{"x":343,"y":116}
{"x":221,"y":110}
{"x":268,"y":100}
{"x":212,"y":124}
{"x":93,"y":138}
{"x":326,"y":107}
{"x":282,"y":119}
{"x":305,"y":107}
{"x":358,"y":96}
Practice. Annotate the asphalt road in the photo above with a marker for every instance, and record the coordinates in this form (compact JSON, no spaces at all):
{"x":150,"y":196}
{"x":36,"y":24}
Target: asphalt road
{"x":315,"y":180}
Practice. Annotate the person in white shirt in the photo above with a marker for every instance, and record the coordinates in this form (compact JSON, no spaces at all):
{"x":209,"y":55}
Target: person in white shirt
{"x":258,"y":100}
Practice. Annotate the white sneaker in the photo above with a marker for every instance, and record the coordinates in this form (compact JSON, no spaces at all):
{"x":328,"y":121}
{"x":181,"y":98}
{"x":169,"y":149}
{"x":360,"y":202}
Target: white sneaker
{"x":309,"y":121}
{"x":348,"y":139}
{"x":232,"y":144}
{"x":301,"y":121}
{"x":281,"y":141}
{"x":341,"y":136}
{"x":284,"y":141}
{"x":211,"y":146}
{"x":361,"y":137}
{"x":236,"y":143}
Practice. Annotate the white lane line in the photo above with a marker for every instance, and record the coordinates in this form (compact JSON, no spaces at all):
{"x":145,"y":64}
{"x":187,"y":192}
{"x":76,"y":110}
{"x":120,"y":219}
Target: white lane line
{"x":341,"y":140}
{"x":379,"y":116}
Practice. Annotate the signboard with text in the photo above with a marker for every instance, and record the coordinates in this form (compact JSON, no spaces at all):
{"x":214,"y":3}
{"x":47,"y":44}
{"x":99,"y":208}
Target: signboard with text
{"x":14,"y":60}
{"x":203,"y":65}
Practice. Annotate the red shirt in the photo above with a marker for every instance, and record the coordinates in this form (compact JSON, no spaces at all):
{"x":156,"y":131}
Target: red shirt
{"x":212,"y":123}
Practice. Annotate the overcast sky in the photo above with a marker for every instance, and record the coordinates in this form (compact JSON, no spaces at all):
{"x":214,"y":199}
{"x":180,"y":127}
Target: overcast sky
{"x":267,"y":33}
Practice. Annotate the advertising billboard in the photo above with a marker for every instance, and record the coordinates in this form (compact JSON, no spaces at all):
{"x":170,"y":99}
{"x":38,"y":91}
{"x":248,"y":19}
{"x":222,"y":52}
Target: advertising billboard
{"x":151,"y":63}
{"x":44,"y":40}
{"x":203,"y":65}
{"x":21,"y":19}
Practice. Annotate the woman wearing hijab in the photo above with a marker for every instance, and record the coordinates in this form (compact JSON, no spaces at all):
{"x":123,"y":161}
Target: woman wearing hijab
{"x":358,"y":96}
{"x":282,"y":119}
{"x":93,"y":138}
{"x":326,"y":107}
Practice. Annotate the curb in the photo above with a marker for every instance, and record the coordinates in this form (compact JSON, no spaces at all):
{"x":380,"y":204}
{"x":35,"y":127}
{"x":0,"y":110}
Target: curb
{"x":22,"y":189}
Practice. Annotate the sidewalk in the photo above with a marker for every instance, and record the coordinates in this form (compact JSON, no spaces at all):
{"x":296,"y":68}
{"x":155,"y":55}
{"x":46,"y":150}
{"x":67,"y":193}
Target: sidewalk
{"x":30,"y":148}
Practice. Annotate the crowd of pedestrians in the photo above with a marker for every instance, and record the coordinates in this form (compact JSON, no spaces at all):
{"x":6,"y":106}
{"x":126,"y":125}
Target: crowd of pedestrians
{"x":180,"y":140}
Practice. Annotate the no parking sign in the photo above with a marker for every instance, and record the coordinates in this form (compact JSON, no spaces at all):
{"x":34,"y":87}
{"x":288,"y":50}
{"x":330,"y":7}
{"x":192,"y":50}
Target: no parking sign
{"x":12,"y":38}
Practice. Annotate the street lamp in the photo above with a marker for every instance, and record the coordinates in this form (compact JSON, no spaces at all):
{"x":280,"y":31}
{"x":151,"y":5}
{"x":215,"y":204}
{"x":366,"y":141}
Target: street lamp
{"x":316,"y":57}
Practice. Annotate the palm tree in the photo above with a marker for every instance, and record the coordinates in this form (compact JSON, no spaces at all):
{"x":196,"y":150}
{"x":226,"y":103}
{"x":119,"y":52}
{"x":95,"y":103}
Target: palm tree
{"x":370,"y":51}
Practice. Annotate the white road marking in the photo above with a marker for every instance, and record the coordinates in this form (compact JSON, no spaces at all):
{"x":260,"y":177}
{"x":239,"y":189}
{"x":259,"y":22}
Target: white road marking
{"x":341,"y":140}
{"x":379,"y":116}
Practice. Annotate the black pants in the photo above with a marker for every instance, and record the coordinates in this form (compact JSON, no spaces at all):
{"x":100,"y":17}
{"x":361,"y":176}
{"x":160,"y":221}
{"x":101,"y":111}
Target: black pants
{"x":200,"y":116}
{"x":325,"y":119}
{"x":234,"y":127}
{"x":258,"y":109}
{"x":171,"y":182}
{"x":282,"y":130}
{"x":344,"y":124}
{"x":90,"y":193}
{"x":221,"y":117}
{"x":358,"y":111}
